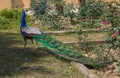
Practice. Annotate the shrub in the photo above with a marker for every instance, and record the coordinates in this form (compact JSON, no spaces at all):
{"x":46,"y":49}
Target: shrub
{"x":10,"y":18}
{"x":10,"y":14}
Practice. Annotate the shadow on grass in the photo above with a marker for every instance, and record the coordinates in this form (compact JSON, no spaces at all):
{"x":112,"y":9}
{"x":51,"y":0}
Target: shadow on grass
{"x":12,"y":58}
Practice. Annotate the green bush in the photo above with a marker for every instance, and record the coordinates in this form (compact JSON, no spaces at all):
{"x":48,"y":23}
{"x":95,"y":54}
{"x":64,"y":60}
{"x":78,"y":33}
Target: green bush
{"x":11,"y":14}
{"x":10,"y":19}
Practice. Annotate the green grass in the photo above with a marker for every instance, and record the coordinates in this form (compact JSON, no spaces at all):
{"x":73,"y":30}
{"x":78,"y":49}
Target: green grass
{"x":34,"y":62}
{"x":73,"y":37}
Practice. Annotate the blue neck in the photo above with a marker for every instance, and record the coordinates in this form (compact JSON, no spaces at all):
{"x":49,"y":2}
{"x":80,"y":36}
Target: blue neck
{"x":23,"y":23}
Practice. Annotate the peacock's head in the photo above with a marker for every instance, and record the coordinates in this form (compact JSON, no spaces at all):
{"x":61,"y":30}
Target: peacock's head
{"x":29,"y":11}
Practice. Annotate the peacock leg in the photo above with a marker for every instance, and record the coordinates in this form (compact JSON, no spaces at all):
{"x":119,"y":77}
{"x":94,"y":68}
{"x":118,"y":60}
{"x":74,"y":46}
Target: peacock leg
{"x":25,"y":43}
{"x":32,"y":40}
{"x":33,"y":45}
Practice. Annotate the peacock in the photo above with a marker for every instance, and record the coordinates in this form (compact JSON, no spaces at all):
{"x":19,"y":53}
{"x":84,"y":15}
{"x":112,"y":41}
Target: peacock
{"x":56,"y":47}
{"x":27,"y":32}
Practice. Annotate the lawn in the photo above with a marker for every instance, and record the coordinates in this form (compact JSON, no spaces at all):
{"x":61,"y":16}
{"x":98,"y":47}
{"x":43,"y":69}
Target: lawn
{"x":34,"y":62}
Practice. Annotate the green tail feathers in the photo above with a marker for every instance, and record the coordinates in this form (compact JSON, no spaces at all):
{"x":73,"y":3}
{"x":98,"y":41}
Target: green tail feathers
{"x":63,"y":51}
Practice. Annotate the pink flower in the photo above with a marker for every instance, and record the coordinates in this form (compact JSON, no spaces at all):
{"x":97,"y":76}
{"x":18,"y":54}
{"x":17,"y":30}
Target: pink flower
{"x":105,"y":22}
{"x":113,"y":13}
{"x":81,"y":1}
{"x":58,"y":8}
{"x":117,"y":32}
{"x":113,"y":36}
